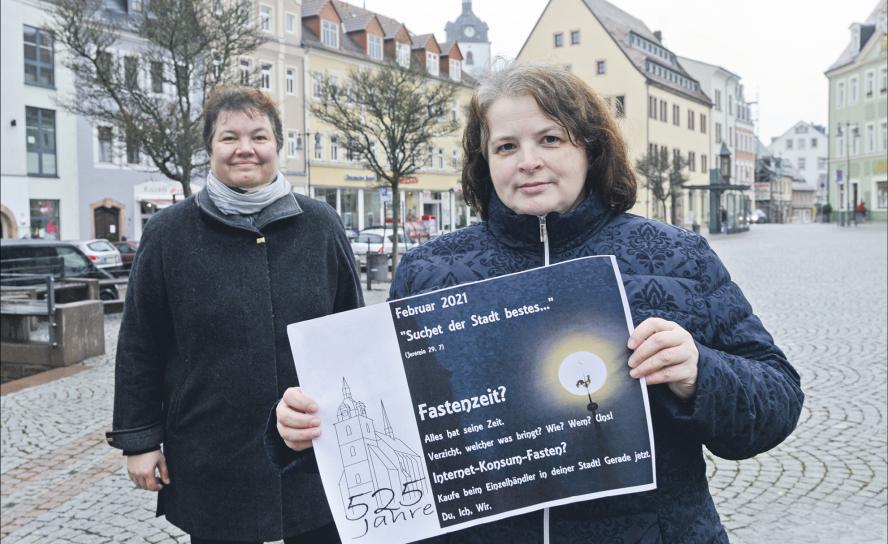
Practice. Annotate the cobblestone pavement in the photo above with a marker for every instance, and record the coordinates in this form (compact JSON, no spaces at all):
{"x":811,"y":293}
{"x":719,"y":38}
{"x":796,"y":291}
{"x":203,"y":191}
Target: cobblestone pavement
{"x":820,"y":289}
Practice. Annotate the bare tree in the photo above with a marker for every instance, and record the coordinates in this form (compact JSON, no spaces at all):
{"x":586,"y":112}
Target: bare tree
{"x":388,"y":117}
{"x":664,"y":179}
{"x":154,"y":97}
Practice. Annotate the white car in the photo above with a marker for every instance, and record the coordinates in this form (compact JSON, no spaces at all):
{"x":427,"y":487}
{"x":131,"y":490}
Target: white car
{"x":379,"y":240}
{"x":101,"y":252}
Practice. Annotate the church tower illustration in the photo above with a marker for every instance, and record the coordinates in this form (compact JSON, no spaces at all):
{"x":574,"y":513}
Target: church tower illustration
{"x":373,"y":460}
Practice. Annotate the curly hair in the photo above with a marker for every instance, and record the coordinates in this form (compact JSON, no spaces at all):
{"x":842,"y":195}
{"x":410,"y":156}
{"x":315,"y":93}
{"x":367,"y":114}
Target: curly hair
{"x":568,"y":101}
{"x":244,"y":99}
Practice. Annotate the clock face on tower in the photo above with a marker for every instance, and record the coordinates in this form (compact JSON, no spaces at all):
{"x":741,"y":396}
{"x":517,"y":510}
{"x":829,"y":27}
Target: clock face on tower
{"x":469,"y":31}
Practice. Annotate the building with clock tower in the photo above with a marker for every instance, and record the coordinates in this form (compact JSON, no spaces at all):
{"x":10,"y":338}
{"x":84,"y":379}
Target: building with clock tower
{"x":471,"y":33}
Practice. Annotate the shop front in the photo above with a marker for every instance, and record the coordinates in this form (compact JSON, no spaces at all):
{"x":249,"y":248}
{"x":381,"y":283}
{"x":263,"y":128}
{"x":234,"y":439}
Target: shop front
{"x":152,"y":196}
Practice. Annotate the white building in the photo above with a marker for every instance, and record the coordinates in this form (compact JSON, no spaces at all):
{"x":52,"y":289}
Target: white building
{"x":471,"y":33}
{"x":38,"y":163}
{"x":806,"y":146}
{"x":730,"y":121}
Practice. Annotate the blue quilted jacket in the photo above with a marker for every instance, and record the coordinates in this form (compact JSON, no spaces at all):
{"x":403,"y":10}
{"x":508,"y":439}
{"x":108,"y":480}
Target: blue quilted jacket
{"x":748,"y":396}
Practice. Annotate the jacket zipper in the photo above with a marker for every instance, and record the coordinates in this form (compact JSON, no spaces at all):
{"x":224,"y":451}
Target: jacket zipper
{"x":544,"y":238}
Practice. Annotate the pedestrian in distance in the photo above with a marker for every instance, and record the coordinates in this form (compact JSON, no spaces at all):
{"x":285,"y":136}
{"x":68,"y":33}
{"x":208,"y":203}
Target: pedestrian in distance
{"x":859,"y":213}
{"x":203,"y":354}
{"x":547,"y":170}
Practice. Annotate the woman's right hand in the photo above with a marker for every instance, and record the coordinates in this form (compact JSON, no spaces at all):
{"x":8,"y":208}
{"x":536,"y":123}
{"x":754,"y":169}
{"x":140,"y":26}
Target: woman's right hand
{"x":143,"y":470}
{"x":296,"y":422}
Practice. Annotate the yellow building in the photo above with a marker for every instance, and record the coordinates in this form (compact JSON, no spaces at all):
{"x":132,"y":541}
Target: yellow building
{"x":657,"y":103}
{"x":339,"y":38}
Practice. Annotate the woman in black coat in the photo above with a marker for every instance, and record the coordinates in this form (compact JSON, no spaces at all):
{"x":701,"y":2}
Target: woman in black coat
{"x":547,"y":170}
{"x":203,"y":353}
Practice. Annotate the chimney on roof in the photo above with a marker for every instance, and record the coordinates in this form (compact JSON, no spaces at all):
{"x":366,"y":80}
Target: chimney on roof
{"x":659,"y":35}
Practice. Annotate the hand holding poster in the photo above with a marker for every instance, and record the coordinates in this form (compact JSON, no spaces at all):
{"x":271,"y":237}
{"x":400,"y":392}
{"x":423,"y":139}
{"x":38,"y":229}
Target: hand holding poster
{"x":476,"y":403}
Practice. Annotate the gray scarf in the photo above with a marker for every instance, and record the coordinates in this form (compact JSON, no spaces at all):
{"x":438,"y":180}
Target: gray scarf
{"x":231,"y":202}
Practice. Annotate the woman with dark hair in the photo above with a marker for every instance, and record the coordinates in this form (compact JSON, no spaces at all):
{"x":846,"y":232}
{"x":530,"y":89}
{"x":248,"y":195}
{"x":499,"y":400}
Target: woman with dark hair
{"x":203,"y":354}
{"x":547,"y":170}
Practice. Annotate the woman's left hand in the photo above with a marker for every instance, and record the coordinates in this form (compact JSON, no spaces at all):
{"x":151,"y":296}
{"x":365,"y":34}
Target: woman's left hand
{"x":664,"y":353}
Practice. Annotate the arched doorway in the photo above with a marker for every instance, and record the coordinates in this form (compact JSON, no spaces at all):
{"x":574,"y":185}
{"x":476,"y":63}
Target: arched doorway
{"x":107,"y":220}
{"x":7,"y":220}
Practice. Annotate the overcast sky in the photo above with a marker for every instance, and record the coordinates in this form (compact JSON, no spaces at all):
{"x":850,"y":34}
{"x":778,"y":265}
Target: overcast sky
{"x":780,"y":48}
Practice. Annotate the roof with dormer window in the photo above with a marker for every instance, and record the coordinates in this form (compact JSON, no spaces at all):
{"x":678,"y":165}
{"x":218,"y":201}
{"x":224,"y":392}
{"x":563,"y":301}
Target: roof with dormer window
{"x":875,"y":25}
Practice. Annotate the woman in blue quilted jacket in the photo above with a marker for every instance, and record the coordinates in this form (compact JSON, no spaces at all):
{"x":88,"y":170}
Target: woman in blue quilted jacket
{"x":547,"y":170}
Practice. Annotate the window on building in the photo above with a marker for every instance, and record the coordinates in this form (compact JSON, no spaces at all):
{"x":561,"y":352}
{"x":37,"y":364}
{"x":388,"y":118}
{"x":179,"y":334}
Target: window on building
{"x":802,"y":163}
{"x":664,"y":115}
{"x":652,"y":107}
{"x":883,"y":79}
{"x":291,"y":81}
{"x":374,"y":46}
{"x":840,"y":94}
{"x":106,"y":144}
{"x":39,"y":57}
{"x":620,"y":106}
{"x":852,"y":90}
{"x":730,"y":105}
{"x":432,"y":63}
{"x":441,"y":158}
{"x":265,"y":77}
{"x":718,"y":133}
{"x":41,"y":141}
{"x":290,"y":23}
{"x":789,"y":143}
{"x":801,"y":143}
{"x":45,"y":219}
{"x":404,"y":54}
{"x":718,"y":100}
{"x":245,"y":68}
{"x":704,"y":164}
{"x":559,"y":39}
{"x":691,"y":118}
{"x":334,"y":147}
{"x":317,"y":86}
{"x":319,"y":146}
{"x":840,"y":145}
{"x":329,"y":33}
{"x":869,"y":84}
{"x":821,"y":163}
{"x":131,"y":72}
{"x":870,"y":141}
{"x":882,"y":194}
{"x":265,"y":18}
{"x":156,"y":76}
{"x":133,"y":154}
{"x":470,"y":58}
{"x":883,"y":135}
{"x":454,"y":159}
{"x":293,"y":144}
{"x":692,"y":161}
{"x":703,"y":123}
{"x":676,"y":115}
{"x":813,"y":143}
{"x":455,"y":70}
{"x":601,"y":67}
{"x":664,"y":156}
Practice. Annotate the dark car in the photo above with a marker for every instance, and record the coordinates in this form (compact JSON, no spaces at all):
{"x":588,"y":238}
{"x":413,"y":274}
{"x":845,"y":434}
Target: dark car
{"x":127,"y":249}
{"x":28,"y":262}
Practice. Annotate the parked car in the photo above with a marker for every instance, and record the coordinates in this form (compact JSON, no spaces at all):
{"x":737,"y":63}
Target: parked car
{"x":101,"y":252}
{"x":379,"y":240}
{"x":28,"y":262}
{"x":758,"y":216}
{"x":127,"y":249}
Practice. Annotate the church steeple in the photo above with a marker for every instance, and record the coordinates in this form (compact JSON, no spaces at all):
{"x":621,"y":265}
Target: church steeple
{"x":386,"y":424}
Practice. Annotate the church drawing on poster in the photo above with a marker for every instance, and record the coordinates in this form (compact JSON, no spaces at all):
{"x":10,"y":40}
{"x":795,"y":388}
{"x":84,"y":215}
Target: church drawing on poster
{"x":374,"y":460}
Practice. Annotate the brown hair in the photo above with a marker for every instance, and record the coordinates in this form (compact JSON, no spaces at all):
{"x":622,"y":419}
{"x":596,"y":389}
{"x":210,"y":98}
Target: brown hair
{"x":568,"y":101}
{"x":245,"y":99}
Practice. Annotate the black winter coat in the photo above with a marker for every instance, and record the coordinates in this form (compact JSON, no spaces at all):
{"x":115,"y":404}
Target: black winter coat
{"x":748,"y":397}
{"x":203,"y":356}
